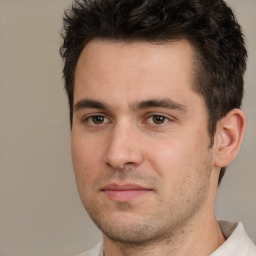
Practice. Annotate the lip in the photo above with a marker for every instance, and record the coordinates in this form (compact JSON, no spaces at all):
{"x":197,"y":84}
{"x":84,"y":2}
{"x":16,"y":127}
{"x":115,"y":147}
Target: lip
{"x":124,"y":192}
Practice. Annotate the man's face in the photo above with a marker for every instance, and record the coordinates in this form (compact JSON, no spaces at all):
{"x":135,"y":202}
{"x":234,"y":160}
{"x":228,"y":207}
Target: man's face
{"x":140,"y":143}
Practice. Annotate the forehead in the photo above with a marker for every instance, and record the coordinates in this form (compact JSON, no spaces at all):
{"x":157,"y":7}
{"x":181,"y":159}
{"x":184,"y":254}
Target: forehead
{"x":137,"y":69}
{"x":126,"y":53}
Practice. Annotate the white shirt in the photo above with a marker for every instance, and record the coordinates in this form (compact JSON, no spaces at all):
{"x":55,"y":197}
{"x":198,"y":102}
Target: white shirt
{"x":237,"y":244}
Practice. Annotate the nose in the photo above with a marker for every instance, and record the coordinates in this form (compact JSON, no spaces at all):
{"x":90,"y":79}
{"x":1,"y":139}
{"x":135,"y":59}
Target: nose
{"x":124,"y":148}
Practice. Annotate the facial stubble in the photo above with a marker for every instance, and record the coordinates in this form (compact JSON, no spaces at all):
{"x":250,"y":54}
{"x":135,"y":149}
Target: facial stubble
{"x":126,"y":226}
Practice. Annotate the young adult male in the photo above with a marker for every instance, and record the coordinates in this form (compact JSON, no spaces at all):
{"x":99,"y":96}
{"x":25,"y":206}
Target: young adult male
{"x":155,"y":89}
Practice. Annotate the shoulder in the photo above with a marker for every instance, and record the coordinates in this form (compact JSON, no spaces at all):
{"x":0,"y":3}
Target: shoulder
{"x":97,"y":250}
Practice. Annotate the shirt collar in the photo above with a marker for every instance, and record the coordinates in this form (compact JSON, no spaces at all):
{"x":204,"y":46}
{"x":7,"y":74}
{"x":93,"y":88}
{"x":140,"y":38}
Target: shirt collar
{"x":237,"y":244}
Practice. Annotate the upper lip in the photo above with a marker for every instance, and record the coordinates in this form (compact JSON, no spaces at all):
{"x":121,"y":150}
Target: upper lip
{"x":123,"y":187}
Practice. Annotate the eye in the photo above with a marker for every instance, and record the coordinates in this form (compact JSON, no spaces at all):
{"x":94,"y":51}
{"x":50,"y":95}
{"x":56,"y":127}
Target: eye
{"x":97,"y":119}
{"x":158,"y":119}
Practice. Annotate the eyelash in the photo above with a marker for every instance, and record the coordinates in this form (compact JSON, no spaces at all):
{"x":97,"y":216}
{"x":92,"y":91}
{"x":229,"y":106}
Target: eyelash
{"x":89,"y":120}
{"x":163,"y":119}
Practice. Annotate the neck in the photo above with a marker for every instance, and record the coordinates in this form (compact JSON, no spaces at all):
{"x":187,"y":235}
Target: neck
{"x":193,"y":240}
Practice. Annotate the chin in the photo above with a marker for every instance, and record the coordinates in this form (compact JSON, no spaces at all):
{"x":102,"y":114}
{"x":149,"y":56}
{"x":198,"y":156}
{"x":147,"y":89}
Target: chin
{"x":132,"y":230}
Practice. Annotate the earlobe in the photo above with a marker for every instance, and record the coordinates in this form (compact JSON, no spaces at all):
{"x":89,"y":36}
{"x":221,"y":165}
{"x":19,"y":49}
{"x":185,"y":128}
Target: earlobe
{"x":229,"y":137}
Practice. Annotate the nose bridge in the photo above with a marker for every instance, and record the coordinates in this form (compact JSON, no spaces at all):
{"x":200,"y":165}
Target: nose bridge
{"x":124,"y":147}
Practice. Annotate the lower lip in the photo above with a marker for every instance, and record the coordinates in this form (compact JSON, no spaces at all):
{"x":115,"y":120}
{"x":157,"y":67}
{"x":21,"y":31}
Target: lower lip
{"x":125,"y":195}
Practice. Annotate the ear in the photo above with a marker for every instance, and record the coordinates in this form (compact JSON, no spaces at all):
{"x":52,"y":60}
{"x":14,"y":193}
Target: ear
{"x":229,"y":136}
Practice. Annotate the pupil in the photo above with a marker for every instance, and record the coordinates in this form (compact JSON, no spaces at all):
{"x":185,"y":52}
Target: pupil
{"x":159,"y":119}
{"x":98,"y":119}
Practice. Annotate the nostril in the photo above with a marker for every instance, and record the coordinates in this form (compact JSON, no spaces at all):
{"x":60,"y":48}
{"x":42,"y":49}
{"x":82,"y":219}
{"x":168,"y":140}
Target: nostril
{"x":128,"y":163}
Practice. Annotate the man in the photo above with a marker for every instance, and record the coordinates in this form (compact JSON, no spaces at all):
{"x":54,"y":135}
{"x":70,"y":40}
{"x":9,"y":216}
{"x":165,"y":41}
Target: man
{"x":155,"y":89}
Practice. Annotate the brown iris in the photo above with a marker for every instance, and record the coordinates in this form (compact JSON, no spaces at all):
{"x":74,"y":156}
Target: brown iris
{"x":158,"y":119}
{"x":98,"y":119}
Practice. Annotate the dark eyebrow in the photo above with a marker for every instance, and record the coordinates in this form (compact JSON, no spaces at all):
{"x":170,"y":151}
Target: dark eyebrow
{"x":88,"y":103}
{"x":160,"y":103}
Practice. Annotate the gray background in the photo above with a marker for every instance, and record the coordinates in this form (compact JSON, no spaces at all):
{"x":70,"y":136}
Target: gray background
{"x":40,"y":211}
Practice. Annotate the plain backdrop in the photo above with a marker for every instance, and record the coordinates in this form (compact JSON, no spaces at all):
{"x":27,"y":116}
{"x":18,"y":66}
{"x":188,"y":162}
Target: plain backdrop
{"x":40,"y":210}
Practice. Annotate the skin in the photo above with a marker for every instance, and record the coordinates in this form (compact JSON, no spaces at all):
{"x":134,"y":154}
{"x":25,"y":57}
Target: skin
{"x":137,"y":121}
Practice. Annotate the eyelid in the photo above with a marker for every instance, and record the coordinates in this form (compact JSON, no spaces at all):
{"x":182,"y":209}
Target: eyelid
{"x":168,"y":117}
{"x":88,"y":116}
{"x":160,"y":114}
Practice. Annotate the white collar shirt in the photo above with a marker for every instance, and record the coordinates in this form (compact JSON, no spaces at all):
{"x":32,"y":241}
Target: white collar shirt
{"x":237,"y":242}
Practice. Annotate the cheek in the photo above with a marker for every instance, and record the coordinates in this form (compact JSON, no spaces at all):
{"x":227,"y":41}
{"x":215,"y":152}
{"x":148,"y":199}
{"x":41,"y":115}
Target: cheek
{"x":178,"y":160}
{"x":85,"y":158}
{"x":170,"y":154}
